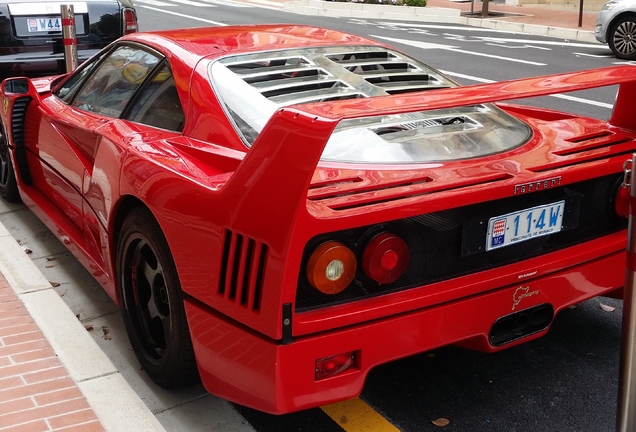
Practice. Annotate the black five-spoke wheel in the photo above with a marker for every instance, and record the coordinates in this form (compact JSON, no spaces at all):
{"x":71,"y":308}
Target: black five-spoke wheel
{"x":622,"y":38}
{"x":8,"y":187}
{"x":152,"y":302}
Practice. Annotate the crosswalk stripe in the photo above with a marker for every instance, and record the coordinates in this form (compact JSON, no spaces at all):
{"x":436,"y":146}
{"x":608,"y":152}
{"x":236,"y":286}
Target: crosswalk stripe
{"x":192,"y":3}
{"x":184,"y":15}
{"x":354,"y":415}
{"x":154,"y":3}
{"x":201,"y":3}
{"x":228,"y":3}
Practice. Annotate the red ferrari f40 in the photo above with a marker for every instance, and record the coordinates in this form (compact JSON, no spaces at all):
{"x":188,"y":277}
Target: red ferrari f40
{"x":278,"y":209}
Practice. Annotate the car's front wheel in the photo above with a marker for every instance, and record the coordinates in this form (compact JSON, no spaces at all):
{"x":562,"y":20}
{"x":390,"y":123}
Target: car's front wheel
{"x":622,"y":38}
{"x":152,"y":302}
{"x":8,"y":186}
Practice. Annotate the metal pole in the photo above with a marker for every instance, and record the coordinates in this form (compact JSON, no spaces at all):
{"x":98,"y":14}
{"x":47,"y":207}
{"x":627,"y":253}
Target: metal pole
{"x":68,"y":37}
{"x":626,"y":417}
{"x":581,"y":13}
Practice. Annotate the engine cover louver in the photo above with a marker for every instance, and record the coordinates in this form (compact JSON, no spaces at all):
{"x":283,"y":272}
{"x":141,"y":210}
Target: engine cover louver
{"x":331,"y":74}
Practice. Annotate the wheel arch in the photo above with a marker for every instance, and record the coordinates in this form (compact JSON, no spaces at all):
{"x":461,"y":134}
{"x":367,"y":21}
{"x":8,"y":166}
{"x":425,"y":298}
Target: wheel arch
{"x":123,"y":208}
{"x":612,"y":24}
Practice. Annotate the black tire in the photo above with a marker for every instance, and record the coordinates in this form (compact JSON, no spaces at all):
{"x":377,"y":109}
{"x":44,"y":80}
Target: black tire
{"x":152,"y":302}
{"x":8,"y":186}
{"x":622,"y":38}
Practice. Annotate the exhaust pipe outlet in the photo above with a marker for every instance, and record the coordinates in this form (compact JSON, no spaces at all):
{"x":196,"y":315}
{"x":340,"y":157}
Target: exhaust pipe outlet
{"x":521,"y":324}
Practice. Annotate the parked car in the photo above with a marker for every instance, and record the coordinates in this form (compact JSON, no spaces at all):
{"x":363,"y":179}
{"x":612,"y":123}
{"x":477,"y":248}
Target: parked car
{"x":616,"y":26}
{"x":31,"y":33}
{"x":278,"y":209}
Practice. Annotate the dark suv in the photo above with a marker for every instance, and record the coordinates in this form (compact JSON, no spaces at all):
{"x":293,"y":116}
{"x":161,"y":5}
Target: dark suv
{"x":31,"y":33}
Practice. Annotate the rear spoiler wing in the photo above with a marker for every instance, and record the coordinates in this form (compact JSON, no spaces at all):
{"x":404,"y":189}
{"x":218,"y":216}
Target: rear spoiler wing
{"x":275,"y":175}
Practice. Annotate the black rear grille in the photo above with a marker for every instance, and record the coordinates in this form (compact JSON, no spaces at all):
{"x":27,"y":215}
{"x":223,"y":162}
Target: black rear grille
{"x":438,"y":241}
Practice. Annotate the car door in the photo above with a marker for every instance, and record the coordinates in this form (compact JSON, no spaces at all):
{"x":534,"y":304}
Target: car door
{"x":154,"y":114}
{"x":69,"y":138}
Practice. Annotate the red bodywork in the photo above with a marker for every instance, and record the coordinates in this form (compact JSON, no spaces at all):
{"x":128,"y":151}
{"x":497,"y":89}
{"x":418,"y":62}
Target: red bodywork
{"x":207,"y":191}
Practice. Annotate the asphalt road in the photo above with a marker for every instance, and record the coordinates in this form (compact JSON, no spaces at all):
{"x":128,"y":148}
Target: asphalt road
{"x":565,"y":381}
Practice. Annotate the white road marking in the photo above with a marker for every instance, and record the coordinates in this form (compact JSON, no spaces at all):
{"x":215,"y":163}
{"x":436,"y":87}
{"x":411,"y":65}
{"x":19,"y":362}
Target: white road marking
{"x":558,"y":96}
{"x":498,"y":45}
{"x":542,"y":42}
{"x":446,"y":27}
{"x":192,"y":3}
{"x":227,"y":3}
{"x":155,"y":3}
{"x":592,"y":55}
{"x":426,"y":45}
{"x":185,"y":16}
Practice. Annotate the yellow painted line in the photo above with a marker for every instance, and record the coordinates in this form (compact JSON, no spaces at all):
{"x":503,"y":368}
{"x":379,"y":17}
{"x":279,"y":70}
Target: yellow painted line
{"x":354,"y":415}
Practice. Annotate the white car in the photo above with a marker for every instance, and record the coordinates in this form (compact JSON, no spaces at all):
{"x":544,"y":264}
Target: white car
{"x":616,"y":26}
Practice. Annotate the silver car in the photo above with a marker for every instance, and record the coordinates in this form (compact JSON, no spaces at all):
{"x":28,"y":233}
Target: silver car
{"x":616,"y":26}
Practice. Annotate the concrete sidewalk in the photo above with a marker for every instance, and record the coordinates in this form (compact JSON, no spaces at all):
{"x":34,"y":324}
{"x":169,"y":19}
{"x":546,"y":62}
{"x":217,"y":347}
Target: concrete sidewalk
{"x":53,"y":376}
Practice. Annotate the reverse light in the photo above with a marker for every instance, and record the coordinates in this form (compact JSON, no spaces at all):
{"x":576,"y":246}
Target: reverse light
{"x":331,"y":267}
{"x":331,"y":366}
{"x":385,"y":258}
{"x":130,"y":21}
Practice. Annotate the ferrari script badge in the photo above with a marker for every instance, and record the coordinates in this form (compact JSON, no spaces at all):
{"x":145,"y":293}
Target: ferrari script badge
{"x":521,"y":293}
{"x":537,"y":186}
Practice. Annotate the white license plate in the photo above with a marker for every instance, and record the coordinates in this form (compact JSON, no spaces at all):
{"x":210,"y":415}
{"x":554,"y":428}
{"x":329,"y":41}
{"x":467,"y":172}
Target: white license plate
{"x":48,"y":24}
{"x":524,"y":225}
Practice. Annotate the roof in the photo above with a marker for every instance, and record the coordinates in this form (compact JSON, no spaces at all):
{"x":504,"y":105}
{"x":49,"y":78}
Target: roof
{"x":217,"y":41}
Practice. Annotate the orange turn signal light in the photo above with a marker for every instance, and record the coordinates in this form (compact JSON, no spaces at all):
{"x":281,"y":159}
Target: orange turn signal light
{"x":331,"y":267}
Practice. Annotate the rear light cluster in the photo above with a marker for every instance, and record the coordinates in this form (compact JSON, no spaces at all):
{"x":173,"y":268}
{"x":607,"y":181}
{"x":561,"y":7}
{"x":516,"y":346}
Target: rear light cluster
{"x":130,"y":20}
{"x":334,"y":365}
{"x":332,"y":265}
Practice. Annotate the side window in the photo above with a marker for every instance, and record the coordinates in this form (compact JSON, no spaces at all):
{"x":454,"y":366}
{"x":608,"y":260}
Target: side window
{"x":70,"y":87}
{"x":110,"y":88}
{"x":159,"y":104}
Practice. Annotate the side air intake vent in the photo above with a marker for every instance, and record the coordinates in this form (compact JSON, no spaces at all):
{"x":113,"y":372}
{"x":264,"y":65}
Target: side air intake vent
{"x":17,"y":119}
{"x":17,"y":134}
{"x":242,"y":269}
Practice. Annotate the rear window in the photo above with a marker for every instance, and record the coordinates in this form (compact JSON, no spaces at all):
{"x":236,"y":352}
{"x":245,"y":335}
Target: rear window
{"x":44,"y":19}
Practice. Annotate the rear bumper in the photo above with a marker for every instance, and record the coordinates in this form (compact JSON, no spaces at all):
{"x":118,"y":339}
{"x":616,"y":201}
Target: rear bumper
{"x":241,"y":366}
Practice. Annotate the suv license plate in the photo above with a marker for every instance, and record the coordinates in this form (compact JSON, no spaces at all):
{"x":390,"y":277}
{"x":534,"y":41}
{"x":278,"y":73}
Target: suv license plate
{"x":524,"y":225}
{"x":48,"y":24}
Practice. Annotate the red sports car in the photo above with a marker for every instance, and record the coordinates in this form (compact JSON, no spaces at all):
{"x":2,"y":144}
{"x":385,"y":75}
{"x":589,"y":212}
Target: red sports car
{"x":279,"y":209}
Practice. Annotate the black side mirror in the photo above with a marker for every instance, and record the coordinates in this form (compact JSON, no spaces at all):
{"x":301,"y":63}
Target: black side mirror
{"x":18,"y":86}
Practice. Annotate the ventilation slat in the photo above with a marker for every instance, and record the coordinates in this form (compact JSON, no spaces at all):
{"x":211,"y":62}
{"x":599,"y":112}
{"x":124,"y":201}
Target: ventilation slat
{"x":242,"y":269}
{"x":319,"y":96}
{"x":363,"y":71}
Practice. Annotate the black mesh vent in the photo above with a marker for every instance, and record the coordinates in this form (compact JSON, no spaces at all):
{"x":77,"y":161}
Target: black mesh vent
{"x":17,"y":119}
{"x":242,"y":269}
{"x":442,"y":243}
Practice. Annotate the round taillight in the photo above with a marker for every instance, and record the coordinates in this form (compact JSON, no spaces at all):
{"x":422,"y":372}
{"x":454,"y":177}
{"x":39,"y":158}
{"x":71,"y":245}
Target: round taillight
{"x":385,"y":258}
{"x":331,"y":267}
{"x":621,"y":202}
